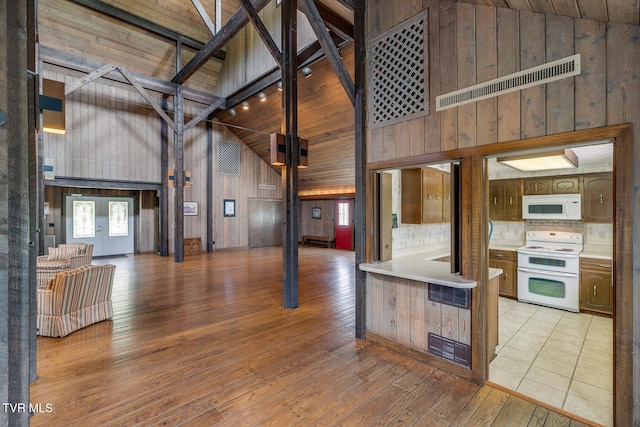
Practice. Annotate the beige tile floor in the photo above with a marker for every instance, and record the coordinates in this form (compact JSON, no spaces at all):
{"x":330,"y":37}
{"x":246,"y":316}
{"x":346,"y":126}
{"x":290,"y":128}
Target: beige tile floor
{"x":561,"y":358}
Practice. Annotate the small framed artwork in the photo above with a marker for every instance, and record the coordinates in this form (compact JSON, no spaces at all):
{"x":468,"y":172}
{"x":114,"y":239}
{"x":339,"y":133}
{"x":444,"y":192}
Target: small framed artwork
{"x":229,"y":207}
{"x":190,"y":208}
{"x":316,"y":213}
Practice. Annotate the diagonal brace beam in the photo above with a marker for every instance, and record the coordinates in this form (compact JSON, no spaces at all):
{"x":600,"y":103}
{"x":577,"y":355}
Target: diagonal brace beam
{"x":105,"y":69}
{"x":262,"y":31}
{"x":232,"y":27}
{"x":204,"y":114}
{"x":314,"y":18}
{"x":148,"y":98}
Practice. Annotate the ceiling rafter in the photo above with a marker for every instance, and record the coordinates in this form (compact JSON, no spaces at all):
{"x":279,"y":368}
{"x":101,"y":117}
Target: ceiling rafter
{"x":329,"y":48}
{"x":145,"y":24}
{"x":253,"y":16}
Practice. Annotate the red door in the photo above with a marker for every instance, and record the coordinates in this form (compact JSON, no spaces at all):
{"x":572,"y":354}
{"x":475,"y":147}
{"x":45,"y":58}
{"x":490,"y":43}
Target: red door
{"x":344,"y":224}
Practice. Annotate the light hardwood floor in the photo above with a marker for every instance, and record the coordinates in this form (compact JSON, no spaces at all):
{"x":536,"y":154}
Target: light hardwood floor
{"x":207,"y":342}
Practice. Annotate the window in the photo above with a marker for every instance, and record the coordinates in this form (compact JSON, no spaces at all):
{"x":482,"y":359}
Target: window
{"x":343,"y":213}
{"x":84,"y":219}
{"x":118,"y":219}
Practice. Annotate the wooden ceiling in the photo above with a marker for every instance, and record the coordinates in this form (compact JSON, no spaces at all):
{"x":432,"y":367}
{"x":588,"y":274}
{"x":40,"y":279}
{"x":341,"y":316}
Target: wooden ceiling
{"x":326,"y":117}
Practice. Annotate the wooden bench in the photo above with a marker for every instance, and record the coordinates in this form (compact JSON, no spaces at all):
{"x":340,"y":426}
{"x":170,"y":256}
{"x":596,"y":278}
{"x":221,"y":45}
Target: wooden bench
{"x":329,"y":241}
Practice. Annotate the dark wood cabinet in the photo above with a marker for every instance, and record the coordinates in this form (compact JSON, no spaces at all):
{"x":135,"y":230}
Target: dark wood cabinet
{"x":425,"y":196}
{"x":596,"y":285}
{"x":431,"y":196}
{"x":508,"y":262}
{"x":505,"y":200}
{"x":565,"y":184}
{"x":597,"y":199}
{"x":536,"y":186}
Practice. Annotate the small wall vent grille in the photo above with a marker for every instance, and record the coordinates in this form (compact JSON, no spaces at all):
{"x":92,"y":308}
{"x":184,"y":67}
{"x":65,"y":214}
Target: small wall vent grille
{"x":535,"y":76}
{"x":397,"y":64}
{"x":228,"y":157}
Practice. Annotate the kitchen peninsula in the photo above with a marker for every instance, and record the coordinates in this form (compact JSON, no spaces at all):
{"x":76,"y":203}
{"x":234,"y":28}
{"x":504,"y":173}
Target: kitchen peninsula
{"x":415,"y":305}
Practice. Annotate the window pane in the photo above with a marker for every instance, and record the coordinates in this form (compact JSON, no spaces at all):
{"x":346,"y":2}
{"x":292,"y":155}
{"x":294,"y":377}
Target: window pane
{"x":118,"y":219}
{"x":343,"y":213}
{"x":84,"y":219}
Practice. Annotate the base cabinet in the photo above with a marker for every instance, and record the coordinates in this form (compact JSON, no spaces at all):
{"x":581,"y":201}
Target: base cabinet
{"x":508,"y":262}
{"x":596,"y":285}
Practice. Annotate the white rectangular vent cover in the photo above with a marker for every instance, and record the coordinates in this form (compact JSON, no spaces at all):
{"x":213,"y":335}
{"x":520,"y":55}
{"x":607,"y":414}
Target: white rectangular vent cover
{"x":545,"y":73}
{"x":398,"y":61}
{"x":228,"y":157}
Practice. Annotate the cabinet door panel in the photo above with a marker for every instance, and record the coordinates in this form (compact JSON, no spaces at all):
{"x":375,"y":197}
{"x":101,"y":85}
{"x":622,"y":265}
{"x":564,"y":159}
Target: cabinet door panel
{"x":597,"y":203}
{"x":565,"y":185}
{"x":536,"y":186}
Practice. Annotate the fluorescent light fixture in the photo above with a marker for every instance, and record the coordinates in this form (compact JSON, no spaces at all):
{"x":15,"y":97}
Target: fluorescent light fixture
{"x":557,"y":159}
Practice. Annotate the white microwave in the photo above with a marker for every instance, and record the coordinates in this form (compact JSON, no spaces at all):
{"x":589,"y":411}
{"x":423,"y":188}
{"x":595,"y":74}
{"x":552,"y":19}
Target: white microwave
{"x":552,"y":206}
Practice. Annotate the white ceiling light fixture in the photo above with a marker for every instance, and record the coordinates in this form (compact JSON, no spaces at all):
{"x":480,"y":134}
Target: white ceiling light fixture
{"x":556,"y":159}
{"x":245,"y":105}
{"x":306,"y":71}
{"x":262,"y":96}
{"x":279,"y":85}
{"x":232,"y":111}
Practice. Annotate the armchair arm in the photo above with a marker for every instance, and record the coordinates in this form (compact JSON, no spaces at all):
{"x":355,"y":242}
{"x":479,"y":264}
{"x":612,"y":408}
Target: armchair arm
{"x":77,"y":261}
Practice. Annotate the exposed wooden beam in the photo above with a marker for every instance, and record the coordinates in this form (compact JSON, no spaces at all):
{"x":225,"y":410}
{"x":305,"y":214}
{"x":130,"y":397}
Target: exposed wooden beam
{"x":69,"y":181}
{"x":205,"y":17}
{"x":74,"y":62}
{"x":262,"y":31}
{"x":105,"y":69}
{"x":204,"y":114}
{"x":335,"y":22}
{"x":233,"y":26}
{"x":152,"y":102}
{"x":351,"y":4}
{"x":328,"y":47}
{"x":145,"y":24}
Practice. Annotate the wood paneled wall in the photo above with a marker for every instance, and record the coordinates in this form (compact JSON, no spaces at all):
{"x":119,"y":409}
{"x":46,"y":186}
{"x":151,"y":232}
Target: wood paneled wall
{"x":325,"y":226}
{"x":248,"y":57}
{"x":112,"y":134}
{"x":471,"y":44}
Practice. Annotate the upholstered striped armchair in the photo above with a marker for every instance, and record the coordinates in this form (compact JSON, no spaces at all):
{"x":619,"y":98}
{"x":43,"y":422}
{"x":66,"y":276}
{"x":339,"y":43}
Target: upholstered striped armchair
{"x":64,"y":257}
{"x":75,"y":299}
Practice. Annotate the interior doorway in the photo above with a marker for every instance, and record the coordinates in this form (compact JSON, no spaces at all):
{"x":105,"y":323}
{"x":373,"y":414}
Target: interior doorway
{"x":265,"y":222}
{"x":105,"y":222}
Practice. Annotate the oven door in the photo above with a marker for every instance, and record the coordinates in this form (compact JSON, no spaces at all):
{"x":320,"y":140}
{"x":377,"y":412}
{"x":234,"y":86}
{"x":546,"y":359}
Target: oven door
{"x":548,"y":288}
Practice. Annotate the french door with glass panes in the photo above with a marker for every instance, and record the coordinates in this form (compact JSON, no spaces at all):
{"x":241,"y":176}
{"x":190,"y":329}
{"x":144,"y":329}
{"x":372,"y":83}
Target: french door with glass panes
{"x":106,"y":222}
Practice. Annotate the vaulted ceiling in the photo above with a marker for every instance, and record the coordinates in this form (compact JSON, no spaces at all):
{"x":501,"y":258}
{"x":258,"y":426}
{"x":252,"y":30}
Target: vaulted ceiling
{"x":84,"y":29}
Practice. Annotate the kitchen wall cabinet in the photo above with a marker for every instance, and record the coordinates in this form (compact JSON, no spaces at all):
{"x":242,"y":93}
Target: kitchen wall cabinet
{"x":597,"y":199}
{"x":508,"y":262}
{"x":552,"y":185}
{"x":596,"y":285}
{"x":505,"y":200}
{"x":431,"y":196}
{"x":425,"y":196}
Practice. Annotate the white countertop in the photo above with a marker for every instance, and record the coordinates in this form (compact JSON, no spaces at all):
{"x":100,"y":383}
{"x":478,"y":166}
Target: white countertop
{"x":423,"y":271}
{"x":597,"y":251}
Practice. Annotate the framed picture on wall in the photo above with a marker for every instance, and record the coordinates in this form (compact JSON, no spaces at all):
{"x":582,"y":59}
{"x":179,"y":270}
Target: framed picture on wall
{"x":316,"y":213}
{"x":229,"y":207}
{"x":190,"y":208}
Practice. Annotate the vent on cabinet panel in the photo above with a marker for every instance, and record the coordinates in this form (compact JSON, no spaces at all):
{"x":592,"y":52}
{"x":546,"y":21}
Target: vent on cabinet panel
{"x":545,"y":73}
{"x":228,"y":157}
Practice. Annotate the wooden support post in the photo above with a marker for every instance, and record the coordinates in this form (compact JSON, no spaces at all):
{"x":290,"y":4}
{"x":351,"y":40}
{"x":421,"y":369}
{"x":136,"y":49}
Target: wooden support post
{"x":360,"y":166}
{"x":178,"y":171}
{"x":290,"y":169}
{"x":164,"y":197}
{"x":209,"y":214}
{"x":17,"y":227}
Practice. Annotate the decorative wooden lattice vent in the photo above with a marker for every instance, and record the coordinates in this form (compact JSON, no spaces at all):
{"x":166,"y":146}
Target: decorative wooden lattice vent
{"x":549,"y":72}
{"x":397,"y":64}
{"x":228,"y":158}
